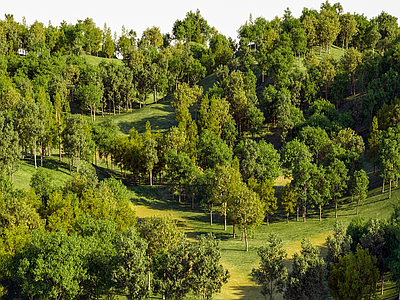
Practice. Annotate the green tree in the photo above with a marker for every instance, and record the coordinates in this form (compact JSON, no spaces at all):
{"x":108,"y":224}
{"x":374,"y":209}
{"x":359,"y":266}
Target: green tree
{"x":89,"y":96}
{"x":375,"y":241}
{"x":337,"y":174}
{"x":248,"y":210}
{"x":389,"y":157}
{"x":266,"y":192}
{"x":51,"y":266}
{"x":288,"y":200}
{"x":360,"y":187}
{"x":161,"y":234}
{"x":328,"y":72}
{"x":77,"y":142}
{"x":271,"y":272}
{"x":339,"y":244}
{"x":348,"y":28}
{"x":306,"y":279}
{"x":350,"y":62}
{"x":151,"y":157}
{"x":10,"y":149}
{"x":208,"y":275}
{"x":130,"y":273}
{"x":177,"y":268}
{"x":328,"y":28}
{"x":373,"y":143}
{"x":212,"y":151}
{"x":354,"y":276}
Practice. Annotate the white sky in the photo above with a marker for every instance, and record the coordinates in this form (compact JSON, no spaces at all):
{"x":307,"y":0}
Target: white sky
{"x":225,"y":16}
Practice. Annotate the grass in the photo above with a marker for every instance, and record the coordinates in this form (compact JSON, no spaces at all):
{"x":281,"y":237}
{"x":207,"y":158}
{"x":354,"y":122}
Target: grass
{"x":95,"y":60}
{"x":160,"y":115}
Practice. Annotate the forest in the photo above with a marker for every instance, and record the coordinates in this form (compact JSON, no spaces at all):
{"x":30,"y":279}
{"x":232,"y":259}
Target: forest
{"x":185,"y":165}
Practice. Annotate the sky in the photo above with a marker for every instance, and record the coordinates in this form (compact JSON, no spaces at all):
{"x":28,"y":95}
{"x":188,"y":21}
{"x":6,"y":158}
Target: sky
{"x":225,"y":16}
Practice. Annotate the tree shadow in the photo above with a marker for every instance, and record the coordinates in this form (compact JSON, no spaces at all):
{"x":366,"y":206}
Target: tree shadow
{"x":49,"y":163}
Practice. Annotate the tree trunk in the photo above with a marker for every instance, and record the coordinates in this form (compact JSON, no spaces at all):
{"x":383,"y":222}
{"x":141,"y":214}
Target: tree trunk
{"x":245,"y":237}
{"x":225,"y":222}
{"x":151,"y":177}
{"x":34,"y":153}
{"x":211,"y":209}
{"x":358,"y":201}
{"x":382,"y":281}
{"x":192,"y":201}
{"x":320,"y":212}
{"x":390,"y":188}
{"x":179,"y":192}
{"x":267,"y":218}
{"x":383,"y":186}
{"x":335,"y":209}
{"x":233,"y":229}
{"x":287,"y":218}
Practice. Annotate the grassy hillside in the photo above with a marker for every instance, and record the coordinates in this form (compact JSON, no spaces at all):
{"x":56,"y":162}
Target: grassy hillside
{"x":161,"y":117}
{"x":95,"y":60}
{"x":157,"y":200}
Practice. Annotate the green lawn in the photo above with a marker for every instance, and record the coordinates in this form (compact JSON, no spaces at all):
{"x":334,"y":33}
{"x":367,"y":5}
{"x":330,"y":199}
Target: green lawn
{"x":95,"y":60}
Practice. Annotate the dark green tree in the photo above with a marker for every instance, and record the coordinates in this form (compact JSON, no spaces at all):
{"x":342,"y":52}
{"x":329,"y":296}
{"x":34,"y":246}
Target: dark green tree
{"x":271,"y":272}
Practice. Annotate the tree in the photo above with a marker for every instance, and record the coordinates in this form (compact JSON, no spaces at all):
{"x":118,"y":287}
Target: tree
{"x":130,"y":273}
{"x":328,"y":72}
{"x":104,"y":136}
{"x":350,"y":62}
{"x":373,"y":142}
{"x":389,"y":156}
{"x":360,"y":187}
{"x":375,"y":241}
{"x":10,"y":149}
{"x":212,"y":151}
{"x":328,"y":28}
{"x":77,"y":140}
{"x":288,"y":200}
{"x":316,"y":139}
{"x":337,"y":174}
{"x":266,"y":192}
{"x":31,"y":125}
{"x":151,"y":157}
{"x":89,"y":95}
{"x":153,"y":37}
{"x":51,"y":266}
{"x":161,"y":234}
{"x":348,"y":28}
{"x":338,"y":244}
{"x":321,"y":194}
{"x":223,"y":187}
{"x":306,"y":279}
{"x":100,"y":261}
{"x":248,"y":210}
{"x":303,"y":184}
{"x":354,"y":276}
{"x":208,"y":275}
{"x":179,"y":169}
{"x":193,"y":28}
{"x":177,"y":268}
{"x":271,"y":272}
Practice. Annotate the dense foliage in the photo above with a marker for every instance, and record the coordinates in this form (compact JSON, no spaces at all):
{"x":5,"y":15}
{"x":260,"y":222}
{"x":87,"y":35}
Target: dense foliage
{"x":296,"y":97}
